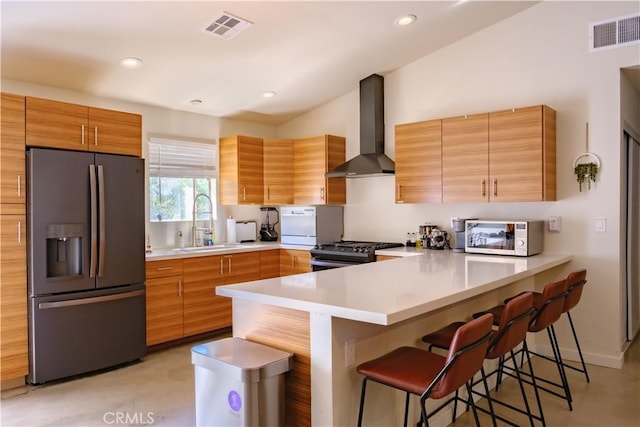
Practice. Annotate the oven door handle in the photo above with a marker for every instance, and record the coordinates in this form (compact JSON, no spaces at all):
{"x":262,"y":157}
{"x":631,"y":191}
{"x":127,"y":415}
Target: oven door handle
{"x":327,"y":263}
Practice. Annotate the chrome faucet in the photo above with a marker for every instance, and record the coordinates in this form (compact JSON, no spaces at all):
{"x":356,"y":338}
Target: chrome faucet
{"x":194,"y":228}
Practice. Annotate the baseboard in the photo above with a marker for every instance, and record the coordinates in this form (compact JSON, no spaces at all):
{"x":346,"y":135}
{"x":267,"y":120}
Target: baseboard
{"x":614,"y":362}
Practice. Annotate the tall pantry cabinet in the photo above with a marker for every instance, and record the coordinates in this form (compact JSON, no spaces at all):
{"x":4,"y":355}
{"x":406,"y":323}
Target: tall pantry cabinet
{"x":13,"y":275}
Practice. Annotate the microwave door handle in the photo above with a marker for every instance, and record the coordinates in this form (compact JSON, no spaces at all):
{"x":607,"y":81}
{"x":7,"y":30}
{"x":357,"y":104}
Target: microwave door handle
{"x":94,"y":221}
{"x":102,"y":220}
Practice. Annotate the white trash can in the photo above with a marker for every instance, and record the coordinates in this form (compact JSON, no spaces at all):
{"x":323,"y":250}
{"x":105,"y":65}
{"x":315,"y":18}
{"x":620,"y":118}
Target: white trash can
{"x":239,"y":383}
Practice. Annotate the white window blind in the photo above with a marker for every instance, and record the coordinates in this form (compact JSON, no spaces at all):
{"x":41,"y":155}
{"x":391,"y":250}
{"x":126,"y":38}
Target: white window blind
{"x":182,"y":159}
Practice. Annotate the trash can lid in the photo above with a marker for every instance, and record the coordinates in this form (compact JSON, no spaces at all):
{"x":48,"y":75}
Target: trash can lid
{"x":242,"y":358}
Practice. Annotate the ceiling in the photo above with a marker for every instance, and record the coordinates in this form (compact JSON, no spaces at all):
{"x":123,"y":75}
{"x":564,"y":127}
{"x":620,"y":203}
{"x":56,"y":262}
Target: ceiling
{"x":308,"y":52}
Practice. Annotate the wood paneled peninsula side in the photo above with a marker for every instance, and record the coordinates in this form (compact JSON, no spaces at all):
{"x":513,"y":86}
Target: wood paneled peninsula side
{"x":332,"y":320}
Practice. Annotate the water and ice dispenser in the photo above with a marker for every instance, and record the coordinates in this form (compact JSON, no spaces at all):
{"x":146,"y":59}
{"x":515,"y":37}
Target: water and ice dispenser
{"x":64,"y":250}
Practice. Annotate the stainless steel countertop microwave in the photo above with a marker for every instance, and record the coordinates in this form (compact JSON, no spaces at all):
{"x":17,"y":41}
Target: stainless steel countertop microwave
{"x":504,"y":237}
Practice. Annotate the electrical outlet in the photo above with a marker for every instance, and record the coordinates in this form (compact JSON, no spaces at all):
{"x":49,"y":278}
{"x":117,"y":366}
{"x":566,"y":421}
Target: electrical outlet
{"x":601,"y":225}
{"x":349,"y":353}
{"x":554,"y":223}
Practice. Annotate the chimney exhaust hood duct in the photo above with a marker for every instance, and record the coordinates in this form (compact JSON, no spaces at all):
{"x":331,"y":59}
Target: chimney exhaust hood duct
{"x":371,"y":161}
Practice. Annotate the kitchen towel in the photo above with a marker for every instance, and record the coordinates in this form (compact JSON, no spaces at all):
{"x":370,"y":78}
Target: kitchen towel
{"x":231,"y":230}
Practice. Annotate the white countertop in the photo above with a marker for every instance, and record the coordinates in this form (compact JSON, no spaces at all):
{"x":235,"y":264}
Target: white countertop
{"x":218,"y":249}
{"x":391,"y":291}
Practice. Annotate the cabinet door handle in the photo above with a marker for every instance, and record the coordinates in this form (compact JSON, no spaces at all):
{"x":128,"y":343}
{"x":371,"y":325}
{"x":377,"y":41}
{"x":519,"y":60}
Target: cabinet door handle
{"x":19,"y":231}
{"x":221,"y":267}
{"x":495,"y":187}
{"x":321,"y":193}
{"x":399,"y":192}
{"x":293,"y":261}
{"x":268,"y":193}
{"x":229,"y":265}
{"x":19,"y":186}
{"x":483,"y":191}
{"x":95,"y":136}
{"x":82,"y":134}
{"x":244,"y":193}
{"x":180,"y":288}
{"x":164,"y":268}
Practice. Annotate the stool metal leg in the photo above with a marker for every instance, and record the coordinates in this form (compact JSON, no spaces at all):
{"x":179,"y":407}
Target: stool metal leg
{"x":533,"y":383}
{"x":575,"y":337}
{"x":364,"y":387}
{"x":561,"y":371}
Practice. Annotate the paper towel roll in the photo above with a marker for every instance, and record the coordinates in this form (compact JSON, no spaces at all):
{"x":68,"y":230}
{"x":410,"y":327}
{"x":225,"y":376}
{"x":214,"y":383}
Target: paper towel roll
{"x":231,"y":230}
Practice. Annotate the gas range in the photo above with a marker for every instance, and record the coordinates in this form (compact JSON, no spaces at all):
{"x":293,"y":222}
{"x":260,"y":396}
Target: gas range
{"x":344,"y":253}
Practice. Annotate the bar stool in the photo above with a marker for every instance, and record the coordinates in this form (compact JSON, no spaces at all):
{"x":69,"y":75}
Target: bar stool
{"x":430,"y":375}
{"x":512,"y":329}
{"x":549,"y":306}
{"x":575,"y":284}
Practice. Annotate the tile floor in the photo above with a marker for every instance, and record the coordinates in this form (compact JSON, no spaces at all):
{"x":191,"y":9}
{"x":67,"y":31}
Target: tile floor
{"x":159,"y":391}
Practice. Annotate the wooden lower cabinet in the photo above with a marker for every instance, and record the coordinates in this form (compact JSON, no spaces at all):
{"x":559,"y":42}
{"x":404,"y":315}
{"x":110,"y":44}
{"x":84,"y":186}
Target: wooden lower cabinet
{"x":164,"y":309}
{"x":203,"y":310}
{"x":270,"y":264}
{"x":181,"y":293}
{"x":294,"y":261}
{"x":14,"y":361}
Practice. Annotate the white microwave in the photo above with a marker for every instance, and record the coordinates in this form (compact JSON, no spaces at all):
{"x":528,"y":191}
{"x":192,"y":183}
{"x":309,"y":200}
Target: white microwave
{"x":495,"y":237}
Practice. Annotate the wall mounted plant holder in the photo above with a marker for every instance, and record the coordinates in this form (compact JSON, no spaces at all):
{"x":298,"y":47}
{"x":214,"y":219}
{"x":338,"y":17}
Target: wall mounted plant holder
{"x":586,"y":166}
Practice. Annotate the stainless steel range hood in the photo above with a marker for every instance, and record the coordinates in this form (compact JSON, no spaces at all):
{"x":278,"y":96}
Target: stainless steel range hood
{"x":371,"y":161}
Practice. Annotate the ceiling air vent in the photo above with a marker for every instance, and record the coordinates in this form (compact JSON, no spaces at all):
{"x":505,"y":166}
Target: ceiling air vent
{"x":227,"y":26}
{"x":614,"y":32}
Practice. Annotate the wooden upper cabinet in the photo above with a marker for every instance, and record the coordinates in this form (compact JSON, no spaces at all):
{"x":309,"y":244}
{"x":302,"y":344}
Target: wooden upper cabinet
{"x":115,"y":132}
{"x":278,"y":171}
{"x":312,"y":159}
{"x":12,"y":148}
{"x":522,"y":154}
{"x":56,"y":124}
{"x":241,"y":170}
{"x":465,"y":158}
{"x":418,"y":162}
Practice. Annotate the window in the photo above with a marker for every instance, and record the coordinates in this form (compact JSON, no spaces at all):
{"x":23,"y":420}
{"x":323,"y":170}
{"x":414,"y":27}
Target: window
{"x":178,"y":172}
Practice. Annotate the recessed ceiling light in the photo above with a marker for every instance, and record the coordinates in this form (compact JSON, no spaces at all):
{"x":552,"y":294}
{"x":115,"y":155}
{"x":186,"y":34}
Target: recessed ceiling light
{"x":195,"y":102}
{"x":269,"y":94}
{"x":131,"y":62}
{"x":406,"y":20}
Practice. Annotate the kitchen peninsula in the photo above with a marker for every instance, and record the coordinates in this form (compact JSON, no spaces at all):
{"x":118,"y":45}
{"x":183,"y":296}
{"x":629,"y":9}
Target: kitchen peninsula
{"x":334,"y":319}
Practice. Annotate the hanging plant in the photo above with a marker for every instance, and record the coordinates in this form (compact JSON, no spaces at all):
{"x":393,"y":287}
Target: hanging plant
{"x":586,"y":171}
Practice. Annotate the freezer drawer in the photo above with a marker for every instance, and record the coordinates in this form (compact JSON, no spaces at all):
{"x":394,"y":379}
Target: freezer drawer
{"x":78,"y":333}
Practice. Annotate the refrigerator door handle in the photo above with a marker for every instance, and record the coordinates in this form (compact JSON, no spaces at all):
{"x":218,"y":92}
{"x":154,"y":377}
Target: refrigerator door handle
{"x":94,"y":221}
{"x":93,"y":300}
{"x":101,"y":218}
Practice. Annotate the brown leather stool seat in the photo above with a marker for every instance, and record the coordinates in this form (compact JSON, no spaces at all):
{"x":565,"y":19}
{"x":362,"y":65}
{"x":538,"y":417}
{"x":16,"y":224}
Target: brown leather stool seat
{"x":512,"y":330}
{"x":430,"y":375}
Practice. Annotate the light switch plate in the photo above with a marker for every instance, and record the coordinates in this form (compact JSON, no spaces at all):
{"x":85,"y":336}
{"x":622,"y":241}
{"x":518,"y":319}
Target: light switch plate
{"x":601,"y":225}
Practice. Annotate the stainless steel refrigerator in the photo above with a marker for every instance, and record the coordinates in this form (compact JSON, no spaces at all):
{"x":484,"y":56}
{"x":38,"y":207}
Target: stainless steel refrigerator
{"x":86,"y":262}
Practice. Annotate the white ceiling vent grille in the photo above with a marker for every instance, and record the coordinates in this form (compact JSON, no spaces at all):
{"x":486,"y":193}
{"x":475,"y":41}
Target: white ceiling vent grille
{"x":614,"y":32}
{"x":227,"y":26}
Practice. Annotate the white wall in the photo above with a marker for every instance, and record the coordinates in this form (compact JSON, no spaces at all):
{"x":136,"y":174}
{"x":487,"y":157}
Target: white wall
{"x":539,"y":56}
